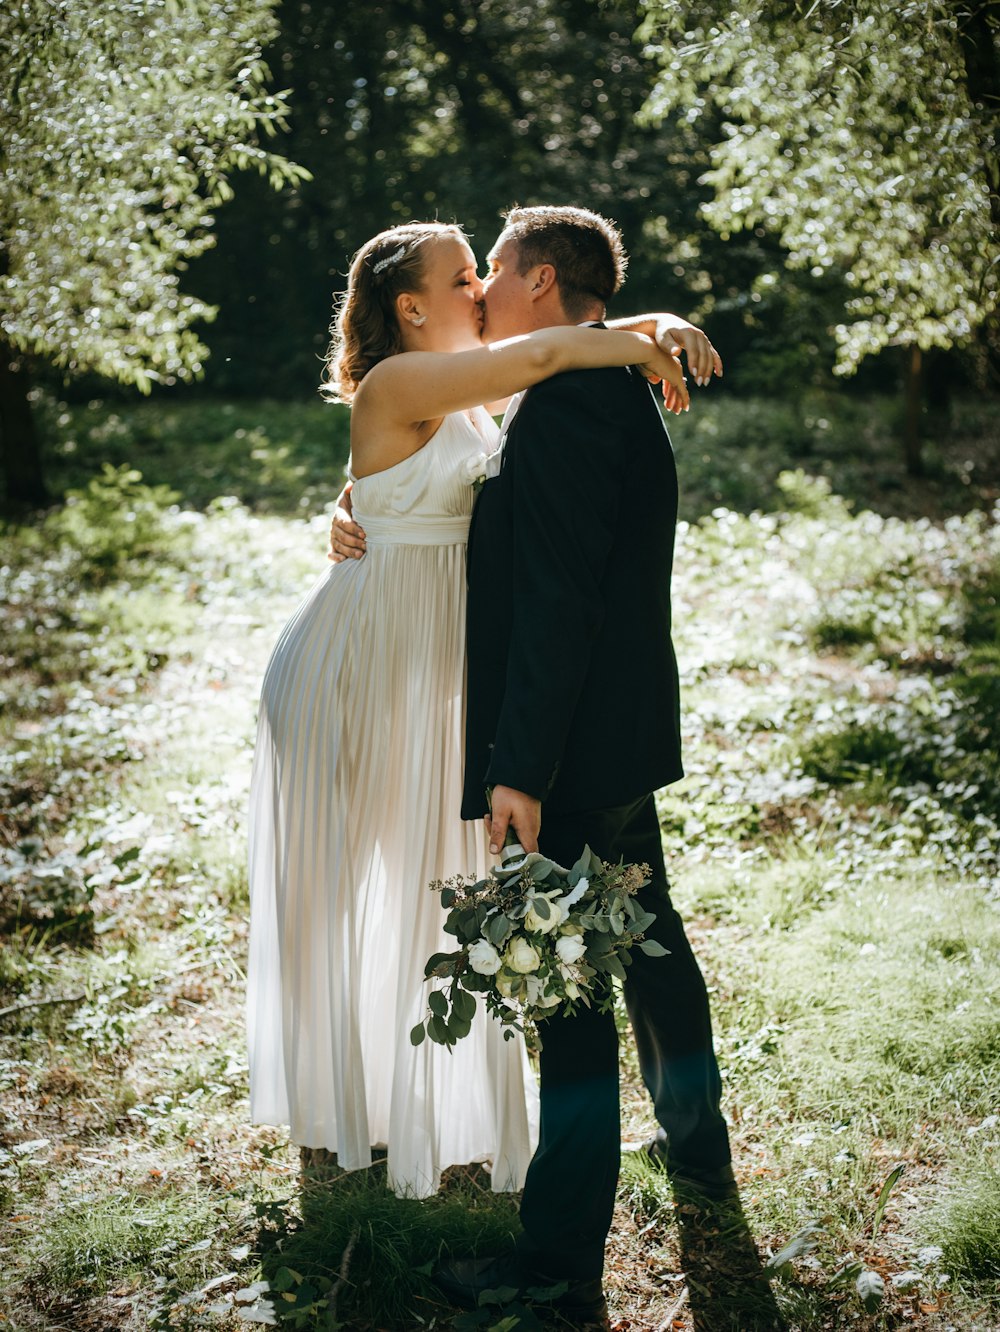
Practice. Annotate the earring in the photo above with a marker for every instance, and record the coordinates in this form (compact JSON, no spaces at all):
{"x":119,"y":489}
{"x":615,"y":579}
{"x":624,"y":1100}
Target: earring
{"x":418,"y":320}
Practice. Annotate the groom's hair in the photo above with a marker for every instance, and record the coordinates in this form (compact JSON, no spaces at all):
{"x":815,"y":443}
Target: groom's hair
{"x":584,"y":248}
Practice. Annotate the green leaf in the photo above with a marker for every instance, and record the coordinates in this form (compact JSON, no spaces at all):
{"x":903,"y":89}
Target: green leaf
{"x":417,"y":1034}
{"x":463,"y":1006}
{"x":501,"y":1295}
{"x":458,"y":1029}
{"x":476,"y":984}
{"x":448,"y":898}
{"x":498,"y":929}
{"x":653,"y":949}
{"x":437,"y":1002}
{"x":871,"y":1289}
{"x":803,"y":1241}
{"x":437,"y":1030}
{"x":541,"y":907}
{"x":541,"y":870}
{"x":441,"y":964}
{"x":883,"y":1197}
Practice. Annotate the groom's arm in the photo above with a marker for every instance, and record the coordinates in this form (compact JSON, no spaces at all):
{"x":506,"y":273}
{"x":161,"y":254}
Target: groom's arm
{"x":567,"y":493}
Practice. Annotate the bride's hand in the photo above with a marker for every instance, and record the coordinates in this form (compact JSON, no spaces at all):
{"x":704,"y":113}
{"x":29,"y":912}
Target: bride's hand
{"x":347,"y":539}
{"x":675,"y":335}
{"x":663,"y":367}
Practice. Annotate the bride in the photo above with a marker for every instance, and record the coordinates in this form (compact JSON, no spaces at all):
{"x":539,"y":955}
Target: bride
{"x":357,"y":777}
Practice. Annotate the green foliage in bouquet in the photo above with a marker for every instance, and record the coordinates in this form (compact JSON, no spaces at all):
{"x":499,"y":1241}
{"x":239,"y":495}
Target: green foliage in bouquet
{"x":534,"y":939}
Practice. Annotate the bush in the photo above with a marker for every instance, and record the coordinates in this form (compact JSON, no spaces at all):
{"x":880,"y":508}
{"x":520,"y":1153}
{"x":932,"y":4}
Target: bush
{"x":114,"y":522}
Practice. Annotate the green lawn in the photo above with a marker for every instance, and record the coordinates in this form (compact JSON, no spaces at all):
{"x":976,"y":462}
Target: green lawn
{"x":834,"y":847}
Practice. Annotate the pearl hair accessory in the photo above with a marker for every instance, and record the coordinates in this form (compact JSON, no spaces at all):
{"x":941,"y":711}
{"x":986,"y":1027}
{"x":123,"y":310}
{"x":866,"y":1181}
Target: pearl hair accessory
{"x":393,"y":258}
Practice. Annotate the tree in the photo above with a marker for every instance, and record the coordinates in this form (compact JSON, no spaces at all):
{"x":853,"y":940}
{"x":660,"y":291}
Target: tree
{"x":122,"y":122}
{"x":410,"y":108}
{"x":864,"y":133}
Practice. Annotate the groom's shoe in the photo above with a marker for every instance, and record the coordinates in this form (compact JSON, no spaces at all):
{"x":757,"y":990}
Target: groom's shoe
{"x":580,"y":1303}
{"x":716,"y":1183}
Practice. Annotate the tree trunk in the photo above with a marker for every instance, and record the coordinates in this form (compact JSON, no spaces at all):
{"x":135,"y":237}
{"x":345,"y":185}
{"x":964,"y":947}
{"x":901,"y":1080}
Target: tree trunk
{"x":913,"y":394}
{"x":20,"y":449}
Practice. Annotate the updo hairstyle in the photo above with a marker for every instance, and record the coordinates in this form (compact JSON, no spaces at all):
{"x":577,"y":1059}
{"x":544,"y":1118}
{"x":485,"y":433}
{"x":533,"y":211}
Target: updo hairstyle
{"x":366,"y":330}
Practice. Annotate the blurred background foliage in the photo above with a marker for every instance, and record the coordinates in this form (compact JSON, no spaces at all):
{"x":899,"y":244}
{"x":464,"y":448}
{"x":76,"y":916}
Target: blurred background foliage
{"x":809,"y":180}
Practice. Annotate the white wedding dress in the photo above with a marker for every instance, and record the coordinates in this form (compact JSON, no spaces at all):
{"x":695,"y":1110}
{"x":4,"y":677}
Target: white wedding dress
{"x":354,"y":810}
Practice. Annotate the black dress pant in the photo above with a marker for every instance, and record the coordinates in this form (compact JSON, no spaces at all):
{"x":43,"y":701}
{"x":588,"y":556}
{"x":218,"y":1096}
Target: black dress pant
{"x":569,"y":1191}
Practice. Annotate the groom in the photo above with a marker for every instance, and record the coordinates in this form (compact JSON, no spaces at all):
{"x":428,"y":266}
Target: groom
{"x":573,"y":722}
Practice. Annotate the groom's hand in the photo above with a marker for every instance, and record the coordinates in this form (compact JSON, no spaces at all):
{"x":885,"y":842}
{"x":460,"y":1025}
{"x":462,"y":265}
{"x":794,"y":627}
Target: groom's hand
{"x":347,"y":539}
{"x":514,"y":808}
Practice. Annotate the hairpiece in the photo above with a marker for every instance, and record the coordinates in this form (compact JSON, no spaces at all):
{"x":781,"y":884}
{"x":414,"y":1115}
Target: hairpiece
{"x":393,"y":258}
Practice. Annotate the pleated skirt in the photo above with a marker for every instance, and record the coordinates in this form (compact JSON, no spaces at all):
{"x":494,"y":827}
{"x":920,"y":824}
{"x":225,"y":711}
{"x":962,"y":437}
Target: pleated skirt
{"x":354,"y":811}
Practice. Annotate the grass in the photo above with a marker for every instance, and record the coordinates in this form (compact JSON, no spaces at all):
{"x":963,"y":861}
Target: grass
{"x":833,"y":846}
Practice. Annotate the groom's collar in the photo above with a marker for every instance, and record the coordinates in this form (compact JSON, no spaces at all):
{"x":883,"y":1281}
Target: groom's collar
{"x":518,"y":398}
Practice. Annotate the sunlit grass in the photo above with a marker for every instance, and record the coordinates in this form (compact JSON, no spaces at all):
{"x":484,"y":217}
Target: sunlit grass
{"x":965,"y":1223}
{"x":87,"y":1247}
{"x":832,"y":846}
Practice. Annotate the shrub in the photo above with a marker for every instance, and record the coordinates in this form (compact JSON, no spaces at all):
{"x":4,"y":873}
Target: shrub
{"x":115,"y":521}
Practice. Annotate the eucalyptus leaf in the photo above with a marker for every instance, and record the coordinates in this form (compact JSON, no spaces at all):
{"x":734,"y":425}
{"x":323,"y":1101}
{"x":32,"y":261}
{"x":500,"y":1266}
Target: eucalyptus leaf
{"x":653,"y":949}
{"x":613,"y":966}
{"x":498,"y":930}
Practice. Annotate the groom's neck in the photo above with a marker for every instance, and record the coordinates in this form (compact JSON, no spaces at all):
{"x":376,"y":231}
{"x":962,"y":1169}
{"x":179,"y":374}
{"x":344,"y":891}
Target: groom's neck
{"x":558,"y":318}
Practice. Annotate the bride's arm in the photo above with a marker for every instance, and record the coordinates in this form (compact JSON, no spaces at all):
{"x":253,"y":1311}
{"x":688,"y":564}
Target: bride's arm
{"x":415,"y":387}
{"x":676,"y":335}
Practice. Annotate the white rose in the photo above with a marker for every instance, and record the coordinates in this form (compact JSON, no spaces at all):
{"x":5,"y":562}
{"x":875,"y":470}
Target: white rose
{"x":572,"y":980}
{"x":535,"y":923}
{"x":505,"y":983}
{"x":535,"y":996}
{"x":475,"y":468}
{"x":481,"y":466}
{"x":570,"y":948}
{"x":521,"y":957}
{"x":484,"y":958}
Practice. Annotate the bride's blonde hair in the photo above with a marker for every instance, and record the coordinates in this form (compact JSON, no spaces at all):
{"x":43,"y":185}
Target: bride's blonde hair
{"x":365,"y":329}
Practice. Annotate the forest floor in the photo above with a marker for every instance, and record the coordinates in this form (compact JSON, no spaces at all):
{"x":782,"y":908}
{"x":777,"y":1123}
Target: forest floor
{"x":834,"y":848}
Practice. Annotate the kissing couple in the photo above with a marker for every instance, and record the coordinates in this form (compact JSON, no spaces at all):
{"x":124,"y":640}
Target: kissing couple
{"x":511,"y":633}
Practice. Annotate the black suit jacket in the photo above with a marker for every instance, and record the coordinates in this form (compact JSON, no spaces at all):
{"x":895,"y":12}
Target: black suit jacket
{"x":572,"y":679}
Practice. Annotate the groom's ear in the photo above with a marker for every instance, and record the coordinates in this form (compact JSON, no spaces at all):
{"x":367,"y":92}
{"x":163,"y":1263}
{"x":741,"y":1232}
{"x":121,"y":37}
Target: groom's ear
{"x":541,"y":280}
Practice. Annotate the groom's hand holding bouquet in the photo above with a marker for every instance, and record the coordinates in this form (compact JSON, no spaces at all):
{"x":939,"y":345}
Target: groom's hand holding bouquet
{"x":534,"y":939}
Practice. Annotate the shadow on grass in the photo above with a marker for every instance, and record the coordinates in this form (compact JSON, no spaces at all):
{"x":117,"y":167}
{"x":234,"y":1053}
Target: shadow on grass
{"x":347,"y":1253}
{"x":727,"y":1287}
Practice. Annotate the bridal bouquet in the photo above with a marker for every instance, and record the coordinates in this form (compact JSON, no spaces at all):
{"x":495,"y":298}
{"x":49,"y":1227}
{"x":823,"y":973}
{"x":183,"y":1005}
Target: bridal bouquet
{"x":534,"y":939}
